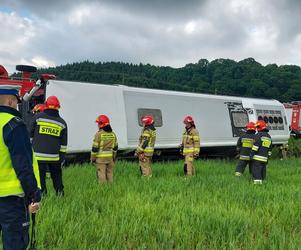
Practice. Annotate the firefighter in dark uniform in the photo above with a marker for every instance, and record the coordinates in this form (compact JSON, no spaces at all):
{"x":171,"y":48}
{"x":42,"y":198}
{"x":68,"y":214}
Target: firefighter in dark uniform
{"x":145,"y":149}
{"x":261,"y":151}
{"x":104,"y":150}
{"x":244,"y":147}
{"x":19,"y":192}
{"x":49,"y":139}
{"x":190,"y":146}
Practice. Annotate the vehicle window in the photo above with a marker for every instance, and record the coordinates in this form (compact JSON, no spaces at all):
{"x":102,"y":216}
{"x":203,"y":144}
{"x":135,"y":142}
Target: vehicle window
{"x":156,"y":113}
{"x":240,"y":119}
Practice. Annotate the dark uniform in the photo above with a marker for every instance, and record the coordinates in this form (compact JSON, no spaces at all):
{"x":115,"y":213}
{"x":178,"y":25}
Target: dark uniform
{"x":145,"y":149}
{"x":103,"y":153}
{"x":18,"y":180}
{"x":49,"y":140}
{"x":244,"y":147}
{"x":260,"y":153}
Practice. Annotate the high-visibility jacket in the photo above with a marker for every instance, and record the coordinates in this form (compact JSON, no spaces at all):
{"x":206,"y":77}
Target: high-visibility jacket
{"x":262,"y":147}
{"x":245,"y":144}
{"x":104,"y":146}
{"x":49,"y":136}
{"x":191,"y":141}
{"x":147,"y":141}
{"x":9,"y":182}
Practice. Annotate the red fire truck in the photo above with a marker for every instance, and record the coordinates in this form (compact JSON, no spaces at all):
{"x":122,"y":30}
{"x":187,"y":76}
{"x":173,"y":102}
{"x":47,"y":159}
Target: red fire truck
{"x":32,"y":91}
{"x":293,"y":111}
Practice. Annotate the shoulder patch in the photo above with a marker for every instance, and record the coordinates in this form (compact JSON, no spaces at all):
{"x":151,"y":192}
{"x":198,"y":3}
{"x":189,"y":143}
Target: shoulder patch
{"x":12,"y":124}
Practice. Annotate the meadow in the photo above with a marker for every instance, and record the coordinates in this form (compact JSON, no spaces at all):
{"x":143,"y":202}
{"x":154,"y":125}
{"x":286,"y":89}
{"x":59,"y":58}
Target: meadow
{"x":213,"y":210}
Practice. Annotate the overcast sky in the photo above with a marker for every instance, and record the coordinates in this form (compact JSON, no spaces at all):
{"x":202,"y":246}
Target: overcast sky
{"x":160,"y":32}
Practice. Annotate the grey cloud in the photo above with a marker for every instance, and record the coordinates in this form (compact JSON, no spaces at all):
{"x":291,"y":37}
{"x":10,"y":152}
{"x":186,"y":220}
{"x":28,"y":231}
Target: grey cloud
{"x":165,"y":9}
{"x":154,"y":31}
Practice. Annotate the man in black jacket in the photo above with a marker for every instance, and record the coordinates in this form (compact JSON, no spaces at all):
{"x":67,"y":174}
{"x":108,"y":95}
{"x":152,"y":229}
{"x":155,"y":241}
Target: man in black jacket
{"x":244,"y":147}
{"x":19,"y":174}
{"x":49,"y":140}
{"x":261,"y":151}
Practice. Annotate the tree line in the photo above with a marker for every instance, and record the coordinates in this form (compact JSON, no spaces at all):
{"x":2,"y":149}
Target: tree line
{"x":246,"y":78}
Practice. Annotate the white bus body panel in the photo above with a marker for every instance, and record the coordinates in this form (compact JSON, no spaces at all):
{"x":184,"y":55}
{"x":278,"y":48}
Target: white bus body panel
{"x":82,"y":102}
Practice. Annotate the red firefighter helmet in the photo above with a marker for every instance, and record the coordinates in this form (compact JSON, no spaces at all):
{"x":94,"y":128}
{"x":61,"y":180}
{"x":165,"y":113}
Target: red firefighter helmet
{"x":52,"y":102}
{"x":251,"y":126}
{"x":102,"y":121}
{"x":147,"y":120}
{"x":39,"y":108}
{"x":261,"y":125}
{"x":188,"y":119}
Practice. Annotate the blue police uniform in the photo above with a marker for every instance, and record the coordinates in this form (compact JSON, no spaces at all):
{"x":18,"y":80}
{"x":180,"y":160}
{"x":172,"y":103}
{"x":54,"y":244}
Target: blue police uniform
{"x":18,"y":177}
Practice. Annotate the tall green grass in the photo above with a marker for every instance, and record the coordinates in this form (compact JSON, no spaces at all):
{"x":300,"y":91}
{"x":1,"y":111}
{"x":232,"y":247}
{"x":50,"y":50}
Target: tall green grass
{"x":214,"y":210}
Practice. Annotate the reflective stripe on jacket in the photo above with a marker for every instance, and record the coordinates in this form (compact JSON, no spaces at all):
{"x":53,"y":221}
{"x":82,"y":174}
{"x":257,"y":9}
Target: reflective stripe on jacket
{"x":191,"y":141}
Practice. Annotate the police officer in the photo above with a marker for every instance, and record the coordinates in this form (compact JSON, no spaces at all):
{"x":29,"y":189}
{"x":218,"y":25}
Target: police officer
{"x":49,"y":139}
{"x":104,"y":150}
{"x":261,"y":151}
{"x":244,"y":147}
{"x":145,"y":149}
{"x":190,"y":146}
{"x":19,"y":192}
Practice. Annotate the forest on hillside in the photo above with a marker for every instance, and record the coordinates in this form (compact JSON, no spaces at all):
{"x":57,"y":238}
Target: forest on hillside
{"x":221,"y":76}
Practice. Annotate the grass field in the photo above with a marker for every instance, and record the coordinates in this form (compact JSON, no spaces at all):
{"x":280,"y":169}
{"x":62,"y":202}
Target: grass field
{"x":213,"y":210}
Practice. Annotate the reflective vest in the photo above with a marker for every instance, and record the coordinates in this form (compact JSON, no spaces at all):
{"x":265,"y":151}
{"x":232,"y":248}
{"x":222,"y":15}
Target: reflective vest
{"x":9,"y":183}
{"x":191,"y":141}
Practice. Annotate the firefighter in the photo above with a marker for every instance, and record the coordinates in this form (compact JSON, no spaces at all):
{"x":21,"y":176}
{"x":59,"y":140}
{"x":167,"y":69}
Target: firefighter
{"x":190,"y":146}
{"x":260,"y":152}
{"x":49,"y":139}
{"x":244,"y":147}
{"x":104,"y":150}
{"x":38,"y":108}
{"x":284,"y":151}
{"x":19,"y":174}
{"x":145,"y":149}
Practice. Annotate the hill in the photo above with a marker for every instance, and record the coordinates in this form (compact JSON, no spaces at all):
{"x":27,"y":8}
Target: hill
{"x":221,"y":76}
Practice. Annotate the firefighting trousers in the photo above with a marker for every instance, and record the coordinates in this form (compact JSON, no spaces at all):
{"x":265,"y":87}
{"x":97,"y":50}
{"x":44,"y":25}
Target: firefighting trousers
{"x":14,"y":223}
{"x":105,"y":171}
{"x":259,"y":170}
{"x":145,"y":166}
{"x":190,"y":169}
{"x":241,"y":166}
{"x":55,"y":170}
